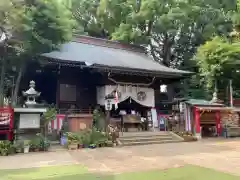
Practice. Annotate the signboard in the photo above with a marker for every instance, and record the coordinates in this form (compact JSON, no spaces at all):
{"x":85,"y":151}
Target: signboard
{"x":29,"y":121}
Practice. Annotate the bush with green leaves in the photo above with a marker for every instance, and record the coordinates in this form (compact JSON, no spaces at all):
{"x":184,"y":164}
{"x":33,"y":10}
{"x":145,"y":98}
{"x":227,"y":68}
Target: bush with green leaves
{"x":87,"y":137}
{"x":6,"y":147}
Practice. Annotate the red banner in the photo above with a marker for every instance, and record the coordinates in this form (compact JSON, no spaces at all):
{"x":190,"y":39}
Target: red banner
{"x":6,"y":122}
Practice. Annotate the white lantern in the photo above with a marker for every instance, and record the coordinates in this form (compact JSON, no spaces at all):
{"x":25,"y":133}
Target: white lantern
{"x":181,"y":107}
{"x":3,"y":37}
{"x":108,"y":105}
{"x":163,"y":88}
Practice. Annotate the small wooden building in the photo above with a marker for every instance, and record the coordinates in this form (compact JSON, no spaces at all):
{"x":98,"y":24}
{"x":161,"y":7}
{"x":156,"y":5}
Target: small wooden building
{"x":206,"y":119}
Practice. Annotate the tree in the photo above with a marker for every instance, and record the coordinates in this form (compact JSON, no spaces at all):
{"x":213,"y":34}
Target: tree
{"x":44,"y":26}
{"x":217,"y":59}
{"x":11,"y":12}
{"x":171,"y":30}
{"x":48,"y":116}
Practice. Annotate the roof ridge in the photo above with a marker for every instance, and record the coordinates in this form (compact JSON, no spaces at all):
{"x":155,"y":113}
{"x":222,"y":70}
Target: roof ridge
{"x":107,"y":43}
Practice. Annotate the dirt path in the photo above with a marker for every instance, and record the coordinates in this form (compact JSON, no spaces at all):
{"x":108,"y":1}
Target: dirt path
{"x":36,"y":160}
{"x":223,"y":155}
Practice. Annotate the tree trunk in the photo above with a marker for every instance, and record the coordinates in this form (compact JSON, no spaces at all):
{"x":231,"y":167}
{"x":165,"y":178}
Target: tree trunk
{"x":166,"y":51}
{"x":17,"y":85}
{"x":3,"y":69}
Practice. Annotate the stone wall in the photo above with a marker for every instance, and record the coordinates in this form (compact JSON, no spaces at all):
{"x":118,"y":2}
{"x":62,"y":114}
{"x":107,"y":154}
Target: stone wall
{"x":230,"y":119}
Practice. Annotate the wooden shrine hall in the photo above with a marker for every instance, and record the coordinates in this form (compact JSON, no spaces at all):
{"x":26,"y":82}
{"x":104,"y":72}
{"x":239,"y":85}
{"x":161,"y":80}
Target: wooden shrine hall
{"x":85,"y":70}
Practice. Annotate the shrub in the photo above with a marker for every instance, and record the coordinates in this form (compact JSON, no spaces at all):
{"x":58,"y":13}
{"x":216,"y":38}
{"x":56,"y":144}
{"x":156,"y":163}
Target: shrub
{"x":6,"y":148}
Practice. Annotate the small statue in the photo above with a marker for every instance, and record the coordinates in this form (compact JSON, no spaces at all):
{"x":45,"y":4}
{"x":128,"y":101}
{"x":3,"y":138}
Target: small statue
{"x":31,"y":94}
{"x":214,"y":98}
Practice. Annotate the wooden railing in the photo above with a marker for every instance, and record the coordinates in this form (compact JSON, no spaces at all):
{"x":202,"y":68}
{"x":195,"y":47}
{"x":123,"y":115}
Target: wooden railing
{"x":75,"y":111}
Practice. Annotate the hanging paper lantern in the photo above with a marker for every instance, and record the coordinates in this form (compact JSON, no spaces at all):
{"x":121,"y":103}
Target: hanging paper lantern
{"x":163,"y":88}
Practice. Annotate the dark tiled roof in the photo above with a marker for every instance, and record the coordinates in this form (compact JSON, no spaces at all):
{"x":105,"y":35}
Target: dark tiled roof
{"x":98,"y":52}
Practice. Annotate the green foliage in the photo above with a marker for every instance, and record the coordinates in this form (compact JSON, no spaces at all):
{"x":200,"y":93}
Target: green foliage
{"x":44,"y":26}
{"x":73,"y":138}
{"x":98,"y":119}
{"x":35,"y":143}
{"x":5,"y":148}
{"x":87,"y":137}
{"x":195,"y":88}
{"x":173,"y":29}
{"x":11,"y":14}
{"x":217,"y":59}
{"x":39,"y":142}
{"x":49,"y":115}
{"x":98,"y":137}
{"x":26,"y":142}
{"x":36,"y":27}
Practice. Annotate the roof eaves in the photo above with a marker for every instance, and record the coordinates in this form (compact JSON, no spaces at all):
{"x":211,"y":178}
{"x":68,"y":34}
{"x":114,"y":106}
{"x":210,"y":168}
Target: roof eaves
{"x":140,"y":71}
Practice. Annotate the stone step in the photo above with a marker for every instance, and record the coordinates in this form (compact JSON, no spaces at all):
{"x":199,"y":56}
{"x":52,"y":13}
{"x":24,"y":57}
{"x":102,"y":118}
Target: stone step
{"x":149,"y":142}
{"x":54,"y":143}
{"x":143,"y":138}
{"x":143,"y":134}
{"x":152,"y":138}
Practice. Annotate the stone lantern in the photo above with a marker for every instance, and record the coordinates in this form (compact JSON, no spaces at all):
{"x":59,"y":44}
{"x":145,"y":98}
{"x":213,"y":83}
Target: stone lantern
{"x":31,"y":94}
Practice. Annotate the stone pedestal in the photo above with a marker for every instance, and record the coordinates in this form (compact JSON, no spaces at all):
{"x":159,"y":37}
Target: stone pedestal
{"x":27,"y":121}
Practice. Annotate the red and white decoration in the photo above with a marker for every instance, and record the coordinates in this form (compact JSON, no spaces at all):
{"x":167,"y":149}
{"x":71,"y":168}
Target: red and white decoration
{"x":6,"y":122}
{"x":126,"y":92}
{"x":57,"y":123}
{"x":5,"y":118}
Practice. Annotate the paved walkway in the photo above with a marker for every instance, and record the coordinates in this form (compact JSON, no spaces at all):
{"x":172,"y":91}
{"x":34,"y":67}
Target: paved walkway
{"x":223,"y":155}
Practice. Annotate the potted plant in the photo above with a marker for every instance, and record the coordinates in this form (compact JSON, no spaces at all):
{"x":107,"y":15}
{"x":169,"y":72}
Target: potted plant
{"x":42,"y":143}
{"x":72,"y":144}
{"x":26,"y":146}
{"x":5,"y":147}
{"x":11,"y":149}
{"x":80,"y":142}
{"x":72,"y":140}
{"x":35,"y":144}
{"x":86,"y":139}
{"x":44,"y":146}
{"x":18,"y":147}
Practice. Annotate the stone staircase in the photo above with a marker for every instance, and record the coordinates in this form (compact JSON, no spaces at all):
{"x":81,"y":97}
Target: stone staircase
{"x":144,"y":138}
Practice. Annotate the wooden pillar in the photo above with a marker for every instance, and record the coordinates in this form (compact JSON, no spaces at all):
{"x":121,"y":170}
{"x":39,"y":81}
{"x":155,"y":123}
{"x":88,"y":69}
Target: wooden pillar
{"x":218,"y":122}
{"x":197,"y":123}
{"x":107,"y":120}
